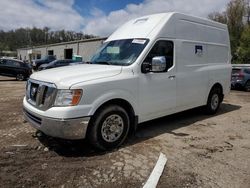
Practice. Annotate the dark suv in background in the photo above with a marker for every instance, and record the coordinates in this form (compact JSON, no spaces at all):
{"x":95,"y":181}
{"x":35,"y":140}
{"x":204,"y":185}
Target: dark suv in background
{"x":15,"y":68}
{"x":45,"y":60}
{"x":241,"y":77}
{"x":59,"y":63}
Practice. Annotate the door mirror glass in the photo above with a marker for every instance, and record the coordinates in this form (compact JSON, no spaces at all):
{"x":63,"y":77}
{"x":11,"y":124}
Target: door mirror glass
{"x":158,"y":64}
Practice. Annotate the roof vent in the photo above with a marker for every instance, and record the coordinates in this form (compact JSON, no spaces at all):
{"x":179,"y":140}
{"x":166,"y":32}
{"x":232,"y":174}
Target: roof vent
{"x":140,"y":21}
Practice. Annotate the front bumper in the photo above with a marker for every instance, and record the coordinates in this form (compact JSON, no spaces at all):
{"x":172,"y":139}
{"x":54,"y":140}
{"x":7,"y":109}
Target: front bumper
{"x":72,"y":129}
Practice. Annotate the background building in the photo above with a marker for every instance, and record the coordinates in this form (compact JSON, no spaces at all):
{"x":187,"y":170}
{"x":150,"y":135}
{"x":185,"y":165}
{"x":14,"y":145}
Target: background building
{"x":65,"y":50}
{"x":5,"y":53}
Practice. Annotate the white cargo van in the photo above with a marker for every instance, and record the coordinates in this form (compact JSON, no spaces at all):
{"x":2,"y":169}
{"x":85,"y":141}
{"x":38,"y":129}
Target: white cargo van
{"x":150,"y":67}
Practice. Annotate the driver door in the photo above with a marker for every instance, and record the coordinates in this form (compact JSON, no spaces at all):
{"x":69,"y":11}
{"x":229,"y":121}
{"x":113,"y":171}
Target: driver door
{"x":157,"y":90}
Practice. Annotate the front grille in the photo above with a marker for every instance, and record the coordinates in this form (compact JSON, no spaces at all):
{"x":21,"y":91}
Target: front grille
{"x":33,"y":117}
{"x":40,"y":94}
{"x":33,"y":91}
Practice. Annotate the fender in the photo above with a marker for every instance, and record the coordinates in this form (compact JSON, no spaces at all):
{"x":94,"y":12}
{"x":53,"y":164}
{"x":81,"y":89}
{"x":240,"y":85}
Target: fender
{"x":114,"y":94}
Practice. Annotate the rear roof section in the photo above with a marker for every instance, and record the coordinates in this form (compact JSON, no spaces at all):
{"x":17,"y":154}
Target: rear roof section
{"x":199,"y":29}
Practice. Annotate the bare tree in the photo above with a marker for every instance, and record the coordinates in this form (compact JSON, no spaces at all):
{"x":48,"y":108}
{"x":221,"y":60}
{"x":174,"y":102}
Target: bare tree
{"x":218,"y":17}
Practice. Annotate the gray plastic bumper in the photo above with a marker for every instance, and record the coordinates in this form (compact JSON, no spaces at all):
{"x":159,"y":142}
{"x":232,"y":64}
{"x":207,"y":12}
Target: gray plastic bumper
{"x":73,"y":129}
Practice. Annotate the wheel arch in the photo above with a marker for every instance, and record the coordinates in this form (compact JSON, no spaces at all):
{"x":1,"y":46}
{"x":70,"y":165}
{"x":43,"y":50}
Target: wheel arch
{"x":220,"y":87}
{"x":124,"y":104}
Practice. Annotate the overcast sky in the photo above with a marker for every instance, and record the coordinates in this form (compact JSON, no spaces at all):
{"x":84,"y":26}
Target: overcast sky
{"x":98,"y":17}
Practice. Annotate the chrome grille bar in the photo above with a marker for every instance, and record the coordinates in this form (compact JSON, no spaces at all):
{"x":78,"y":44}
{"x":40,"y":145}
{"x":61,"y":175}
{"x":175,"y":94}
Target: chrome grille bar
{"x":40,"y":94}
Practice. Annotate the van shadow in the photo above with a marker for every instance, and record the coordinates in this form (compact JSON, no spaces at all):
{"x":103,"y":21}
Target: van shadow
{"x":169,"y":124}
{"x":145,"y":131}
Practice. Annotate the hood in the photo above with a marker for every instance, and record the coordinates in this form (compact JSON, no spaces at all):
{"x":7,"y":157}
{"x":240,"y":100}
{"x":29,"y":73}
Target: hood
{"x":65,"y":77}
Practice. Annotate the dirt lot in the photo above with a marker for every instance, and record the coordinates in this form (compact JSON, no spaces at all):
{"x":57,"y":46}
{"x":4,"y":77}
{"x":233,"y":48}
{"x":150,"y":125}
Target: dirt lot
{"x":202,"y":151}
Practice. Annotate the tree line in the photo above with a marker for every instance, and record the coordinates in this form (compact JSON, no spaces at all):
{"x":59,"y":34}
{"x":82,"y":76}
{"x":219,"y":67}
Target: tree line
{"x":237,"y":17}
{"x":25,"y":37}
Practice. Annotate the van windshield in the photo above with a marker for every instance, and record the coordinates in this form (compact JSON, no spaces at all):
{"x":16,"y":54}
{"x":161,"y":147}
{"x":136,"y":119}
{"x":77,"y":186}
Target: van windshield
{"x":119,"y":52}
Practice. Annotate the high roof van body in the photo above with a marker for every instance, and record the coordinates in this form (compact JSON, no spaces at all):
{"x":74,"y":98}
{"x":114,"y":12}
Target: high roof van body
{"x":148,"y":68}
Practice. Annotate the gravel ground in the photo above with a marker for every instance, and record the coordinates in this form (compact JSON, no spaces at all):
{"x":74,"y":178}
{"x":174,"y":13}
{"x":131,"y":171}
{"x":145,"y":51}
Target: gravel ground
{"x":202,"y":151}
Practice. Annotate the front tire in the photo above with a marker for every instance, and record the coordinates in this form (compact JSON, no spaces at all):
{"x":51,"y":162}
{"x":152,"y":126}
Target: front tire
{"x":214,"y":101}
{"x":109,"y":127}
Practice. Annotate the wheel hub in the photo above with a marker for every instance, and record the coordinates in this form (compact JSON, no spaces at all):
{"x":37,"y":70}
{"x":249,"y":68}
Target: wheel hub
{"x":215,"y":101}
{"x":20,"y":77}
{"x":112,"y":128}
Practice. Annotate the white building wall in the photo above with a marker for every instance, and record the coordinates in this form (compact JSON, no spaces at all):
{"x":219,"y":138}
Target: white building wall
{"x":86,"y":49}
{"x":42,"y":50}
{"x":59,"y":49}
{"x":22,"y":54}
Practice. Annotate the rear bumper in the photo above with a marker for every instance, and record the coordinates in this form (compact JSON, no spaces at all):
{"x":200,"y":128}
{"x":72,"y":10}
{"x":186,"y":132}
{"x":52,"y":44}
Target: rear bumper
{"x":72,"y":129}
{"x":237,"y":84}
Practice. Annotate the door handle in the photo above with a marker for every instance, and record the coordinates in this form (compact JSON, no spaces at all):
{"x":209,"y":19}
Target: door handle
{"x":171,"y":77}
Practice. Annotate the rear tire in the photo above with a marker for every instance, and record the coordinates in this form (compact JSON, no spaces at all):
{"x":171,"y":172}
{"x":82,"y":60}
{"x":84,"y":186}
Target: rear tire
{"x":109,"y":127}
{"x":213,"y":101}
{"x":247,"y":86}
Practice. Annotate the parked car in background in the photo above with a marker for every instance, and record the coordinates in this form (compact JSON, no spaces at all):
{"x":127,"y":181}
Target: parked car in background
{"x":15,"y":68}
{"x":58,"y":63}
{"x":45,"y":60}
{"x":241,"y":77}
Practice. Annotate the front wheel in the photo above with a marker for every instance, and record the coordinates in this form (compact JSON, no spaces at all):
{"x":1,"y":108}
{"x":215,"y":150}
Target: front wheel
{"x":109,"y":127}
{"x":214,"y":101}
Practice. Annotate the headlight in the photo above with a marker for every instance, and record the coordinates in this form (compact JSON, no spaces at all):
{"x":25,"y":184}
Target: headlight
{"x":68,"y":97}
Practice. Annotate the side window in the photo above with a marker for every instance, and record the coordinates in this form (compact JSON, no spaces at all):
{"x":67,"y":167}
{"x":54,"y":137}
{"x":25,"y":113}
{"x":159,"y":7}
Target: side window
{"x":9,"y":63}
{"x":162,"y":48}
{"x":16,"y":64}
{"x":12,"y":63}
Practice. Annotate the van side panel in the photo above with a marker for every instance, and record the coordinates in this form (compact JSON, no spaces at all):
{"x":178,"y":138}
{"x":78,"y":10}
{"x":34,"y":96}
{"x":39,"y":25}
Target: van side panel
{"x":192,"y":75}
{"x":202,"y":60}
{"x":196,"y":30}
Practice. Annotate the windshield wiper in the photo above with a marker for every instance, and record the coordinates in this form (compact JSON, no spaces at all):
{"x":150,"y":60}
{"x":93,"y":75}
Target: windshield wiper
{"x":102,"y":63}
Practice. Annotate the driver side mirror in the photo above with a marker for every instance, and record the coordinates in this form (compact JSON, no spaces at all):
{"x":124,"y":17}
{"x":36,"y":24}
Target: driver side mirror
{"x":158,"y":65}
